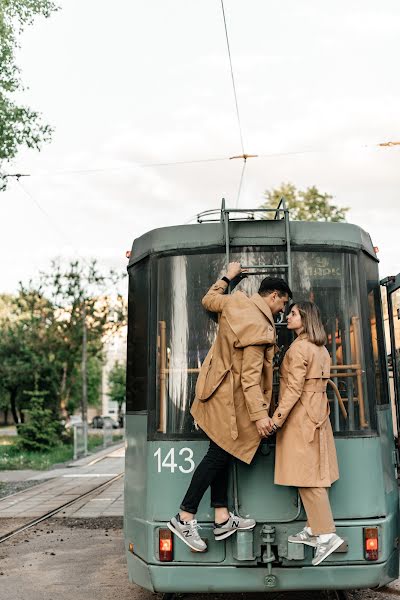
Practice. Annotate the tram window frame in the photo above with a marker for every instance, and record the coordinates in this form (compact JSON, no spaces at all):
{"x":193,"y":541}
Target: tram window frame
{"x":153,"y":424}
{"x":137,"y":400}
{"x":366,"y":266}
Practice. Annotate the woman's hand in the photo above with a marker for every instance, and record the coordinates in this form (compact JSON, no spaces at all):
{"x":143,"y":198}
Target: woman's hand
{"x":265,"y":426}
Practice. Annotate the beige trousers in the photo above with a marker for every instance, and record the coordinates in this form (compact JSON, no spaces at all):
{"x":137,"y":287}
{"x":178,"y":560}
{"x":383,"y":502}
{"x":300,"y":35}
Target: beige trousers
{"x":318,"y":509}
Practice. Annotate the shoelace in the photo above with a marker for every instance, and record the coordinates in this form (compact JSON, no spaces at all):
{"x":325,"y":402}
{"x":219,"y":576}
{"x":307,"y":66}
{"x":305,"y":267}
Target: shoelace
{"x":194,"y":527}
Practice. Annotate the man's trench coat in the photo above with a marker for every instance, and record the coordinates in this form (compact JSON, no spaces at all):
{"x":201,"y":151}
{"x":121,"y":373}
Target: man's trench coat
{"x":305,"y":448}
{"x":234,"y":386}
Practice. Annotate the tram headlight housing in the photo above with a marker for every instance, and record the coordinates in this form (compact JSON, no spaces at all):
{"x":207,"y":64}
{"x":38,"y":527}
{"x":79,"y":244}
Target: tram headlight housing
{"x":371,"y":543}
{"x":165,"y":545}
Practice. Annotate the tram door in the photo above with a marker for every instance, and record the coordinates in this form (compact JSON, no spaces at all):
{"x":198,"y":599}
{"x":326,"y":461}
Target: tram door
{"x":392,"y":285}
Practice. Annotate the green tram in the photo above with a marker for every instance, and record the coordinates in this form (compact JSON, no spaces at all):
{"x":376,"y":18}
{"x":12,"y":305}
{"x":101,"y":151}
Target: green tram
{"x":169,"y":334}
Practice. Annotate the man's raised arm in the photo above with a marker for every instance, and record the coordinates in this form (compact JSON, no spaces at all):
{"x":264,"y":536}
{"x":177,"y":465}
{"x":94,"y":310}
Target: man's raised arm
{"x":215,"y":298}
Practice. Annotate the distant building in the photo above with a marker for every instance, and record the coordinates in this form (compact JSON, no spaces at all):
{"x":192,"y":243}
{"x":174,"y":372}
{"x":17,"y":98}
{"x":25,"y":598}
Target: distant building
{"x":114,"y":351}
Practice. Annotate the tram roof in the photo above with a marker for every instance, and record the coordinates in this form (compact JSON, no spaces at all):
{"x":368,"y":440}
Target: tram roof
{"x":200,"y":236}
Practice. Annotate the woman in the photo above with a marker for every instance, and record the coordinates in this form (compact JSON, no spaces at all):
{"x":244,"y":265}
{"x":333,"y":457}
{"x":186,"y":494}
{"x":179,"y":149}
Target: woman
{"x":305,"y":448}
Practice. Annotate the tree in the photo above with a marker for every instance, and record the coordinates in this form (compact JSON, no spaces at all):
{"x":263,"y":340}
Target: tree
{"x":117,"y":383}
{"x":42,"y":332}
{"x":308,"y":205}
{"x":19,"y":125}
{"x":40,"y":431}
{"x":87,"y":311}
{"x":28,"y":350}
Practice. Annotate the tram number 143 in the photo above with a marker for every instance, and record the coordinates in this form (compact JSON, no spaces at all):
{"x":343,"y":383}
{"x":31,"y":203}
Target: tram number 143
{"x":168,"y":462}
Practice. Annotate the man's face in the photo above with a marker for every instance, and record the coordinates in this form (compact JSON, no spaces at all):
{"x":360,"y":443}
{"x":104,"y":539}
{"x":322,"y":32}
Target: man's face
{"x":277,"y":303}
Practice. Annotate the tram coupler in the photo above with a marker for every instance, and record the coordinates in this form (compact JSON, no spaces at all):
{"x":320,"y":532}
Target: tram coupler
{"x":268,"y":537}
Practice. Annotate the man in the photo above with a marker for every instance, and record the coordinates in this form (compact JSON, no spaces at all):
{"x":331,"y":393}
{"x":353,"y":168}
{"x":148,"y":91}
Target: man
{"x":233,"y":395}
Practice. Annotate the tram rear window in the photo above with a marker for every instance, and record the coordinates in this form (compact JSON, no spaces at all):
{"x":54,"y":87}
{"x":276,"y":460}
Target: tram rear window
{"x":138,"y":338}
{"x":186,"y":331}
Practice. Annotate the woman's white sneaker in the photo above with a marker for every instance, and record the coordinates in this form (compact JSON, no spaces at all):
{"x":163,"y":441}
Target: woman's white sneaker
{"x":324,"y":549}
{"x":303,"y":537}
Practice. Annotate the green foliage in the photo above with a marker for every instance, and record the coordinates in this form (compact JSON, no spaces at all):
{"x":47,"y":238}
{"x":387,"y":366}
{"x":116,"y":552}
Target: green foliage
{"x":19,"y":125}
{"x":117,"y":383}
{"x":308,"y":205}
{"x":41,"y":337}
{"x":40,"y":431}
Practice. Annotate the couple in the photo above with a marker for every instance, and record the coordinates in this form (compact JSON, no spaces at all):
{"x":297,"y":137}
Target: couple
{"x":233,"y":396}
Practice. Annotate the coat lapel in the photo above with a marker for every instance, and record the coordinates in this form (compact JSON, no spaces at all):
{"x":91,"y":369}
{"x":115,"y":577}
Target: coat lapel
{"x":263,"y":306}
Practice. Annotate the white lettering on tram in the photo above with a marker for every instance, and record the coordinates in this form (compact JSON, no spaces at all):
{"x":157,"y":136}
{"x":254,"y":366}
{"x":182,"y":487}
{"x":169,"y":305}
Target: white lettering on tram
{"x":169,"y":460}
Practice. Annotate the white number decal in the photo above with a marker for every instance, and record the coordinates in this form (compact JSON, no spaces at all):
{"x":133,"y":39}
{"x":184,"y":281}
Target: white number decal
{"x":172,"y":464}
{"x":169,"y":460}
{"x":189,"y":459}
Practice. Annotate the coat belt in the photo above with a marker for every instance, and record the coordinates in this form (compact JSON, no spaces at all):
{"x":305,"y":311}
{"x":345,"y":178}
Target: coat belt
{"x":318,"y":425}
{"x":232,"y":416}
{"x":315,"y":385}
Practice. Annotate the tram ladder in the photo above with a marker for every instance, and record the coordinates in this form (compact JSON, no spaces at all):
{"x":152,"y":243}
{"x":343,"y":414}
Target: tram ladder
{"x":281,"y":209}
{"x":281,"y":212}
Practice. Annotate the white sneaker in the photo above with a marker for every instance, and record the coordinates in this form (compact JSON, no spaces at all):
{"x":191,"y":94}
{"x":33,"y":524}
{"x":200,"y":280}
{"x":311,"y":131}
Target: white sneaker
{"x":188,"y":533}
{"x":303,"y":537}
{"x":324,"y":549}
{"x":233,"y":524}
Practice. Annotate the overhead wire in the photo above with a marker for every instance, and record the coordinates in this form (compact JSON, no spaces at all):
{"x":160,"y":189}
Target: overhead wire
{"x":232,"y":75}
{"x":52,"y":221}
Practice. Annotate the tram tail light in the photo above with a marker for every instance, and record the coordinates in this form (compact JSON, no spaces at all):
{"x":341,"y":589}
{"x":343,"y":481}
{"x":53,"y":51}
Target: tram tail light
{"x":165,"y":544}
{"x":371,"y":543}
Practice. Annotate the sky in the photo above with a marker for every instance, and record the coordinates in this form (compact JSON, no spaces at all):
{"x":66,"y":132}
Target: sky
{"x":129,"y":84}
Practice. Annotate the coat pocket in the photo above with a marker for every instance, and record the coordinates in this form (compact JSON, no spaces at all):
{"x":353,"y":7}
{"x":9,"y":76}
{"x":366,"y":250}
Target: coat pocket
{"x":210,"y":378}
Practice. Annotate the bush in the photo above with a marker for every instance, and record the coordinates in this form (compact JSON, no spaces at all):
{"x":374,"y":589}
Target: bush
{"x":40,"y":432}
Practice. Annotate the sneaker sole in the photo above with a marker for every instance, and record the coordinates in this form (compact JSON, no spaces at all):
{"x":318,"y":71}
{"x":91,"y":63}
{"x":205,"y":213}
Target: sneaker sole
{"x":334,"y":547}
{"x":184,"y":540}
{"x":312,"y":544}
{"x":223,"y":536}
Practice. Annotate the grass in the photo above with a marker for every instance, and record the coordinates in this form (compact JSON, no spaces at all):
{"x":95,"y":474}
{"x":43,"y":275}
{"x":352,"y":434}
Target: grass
{"x":11,"y":457}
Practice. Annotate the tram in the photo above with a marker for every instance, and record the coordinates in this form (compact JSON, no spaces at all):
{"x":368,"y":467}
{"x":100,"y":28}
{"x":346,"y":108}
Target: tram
{"x":169,"y":333}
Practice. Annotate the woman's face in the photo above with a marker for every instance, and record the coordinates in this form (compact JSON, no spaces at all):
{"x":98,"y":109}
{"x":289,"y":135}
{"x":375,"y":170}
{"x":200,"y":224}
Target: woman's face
{"x":294,"y":319}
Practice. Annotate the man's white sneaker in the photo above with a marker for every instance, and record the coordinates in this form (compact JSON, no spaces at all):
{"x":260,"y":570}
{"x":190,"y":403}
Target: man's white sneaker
{"x":187,"y":531}
{"x":303,"y":537}
{"x":234,"y":523}
{"x":324,"y":549}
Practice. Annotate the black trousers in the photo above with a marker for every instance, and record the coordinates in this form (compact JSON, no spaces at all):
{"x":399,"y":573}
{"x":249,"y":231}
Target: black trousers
{"x":212,"y":471}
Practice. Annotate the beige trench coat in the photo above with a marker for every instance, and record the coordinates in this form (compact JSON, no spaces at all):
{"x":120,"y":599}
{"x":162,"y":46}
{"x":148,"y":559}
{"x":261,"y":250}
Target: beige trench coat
{"x":305,"y":448}
{"x":234,"y":386}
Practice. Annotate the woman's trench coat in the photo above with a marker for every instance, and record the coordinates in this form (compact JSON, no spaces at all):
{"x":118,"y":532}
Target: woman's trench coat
{"x":305,"y":448}
{"x":234,"y":387}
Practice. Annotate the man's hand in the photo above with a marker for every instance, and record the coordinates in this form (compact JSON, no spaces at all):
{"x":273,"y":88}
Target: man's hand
{"x":265,"y":426}
{"x":234,"y":269}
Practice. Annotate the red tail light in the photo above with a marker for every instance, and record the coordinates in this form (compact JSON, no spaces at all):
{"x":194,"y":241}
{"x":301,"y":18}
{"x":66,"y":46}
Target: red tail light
{"x":165,"y":545}
{"x":371,"y":543}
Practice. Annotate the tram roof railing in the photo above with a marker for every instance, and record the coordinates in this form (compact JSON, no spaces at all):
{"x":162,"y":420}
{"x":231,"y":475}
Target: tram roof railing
{"x":251,"y":232}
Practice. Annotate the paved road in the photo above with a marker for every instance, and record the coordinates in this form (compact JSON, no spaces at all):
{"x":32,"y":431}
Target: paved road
{"x":73,"y":559}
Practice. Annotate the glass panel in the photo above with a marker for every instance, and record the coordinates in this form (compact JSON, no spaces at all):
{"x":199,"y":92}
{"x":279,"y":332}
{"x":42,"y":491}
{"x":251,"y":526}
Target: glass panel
{"x":375,"y":348}
{"x":395,"y":297}
{"x":186,"y":331}
{"x":138,"y":339}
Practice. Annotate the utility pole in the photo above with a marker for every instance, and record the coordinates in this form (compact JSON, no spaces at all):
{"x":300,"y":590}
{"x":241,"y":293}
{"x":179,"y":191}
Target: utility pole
{"x":84,"y":375}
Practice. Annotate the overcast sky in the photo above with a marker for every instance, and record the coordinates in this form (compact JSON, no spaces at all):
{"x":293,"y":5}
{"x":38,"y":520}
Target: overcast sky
{"x":129,"y":83}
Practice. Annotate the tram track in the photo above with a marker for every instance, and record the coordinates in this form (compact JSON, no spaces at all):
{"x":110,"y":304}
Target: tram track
{"x":51,"y":513}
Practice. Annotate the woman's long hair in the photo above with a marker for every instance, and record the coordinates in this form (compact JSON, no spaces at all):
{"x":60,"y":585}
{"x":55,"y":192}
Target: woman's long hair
{"x":311,"y":321}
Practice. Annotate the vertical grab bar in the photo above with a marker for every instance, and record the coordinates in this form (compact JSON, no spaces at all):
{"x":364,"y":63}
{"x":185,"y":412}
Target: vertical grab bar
{"x":356,"y":328}
{"x":163,"y":378}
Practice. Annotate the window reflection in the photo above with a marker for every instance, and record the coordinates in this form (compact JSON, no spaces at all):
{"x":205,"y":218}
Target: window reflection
{"x":186,"y":331}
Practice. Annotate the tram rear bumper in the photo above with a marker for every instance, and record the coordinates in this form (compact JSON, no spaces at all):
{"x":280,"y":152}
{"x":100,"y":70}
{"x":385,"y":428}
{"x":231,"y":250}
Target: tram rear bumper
{"x":205,"y":578}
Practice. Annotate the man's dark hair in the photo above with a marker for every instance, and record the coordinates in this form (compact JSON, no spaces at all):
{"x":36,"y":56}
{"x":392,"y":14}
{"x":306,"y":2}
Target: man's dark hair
{"x":274,"y":284}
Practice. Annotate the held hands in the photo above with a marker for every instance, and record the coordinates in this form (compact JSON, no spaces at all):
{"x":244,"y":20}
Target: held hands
{"x":234,"y":269}
{"x":265,"y":426}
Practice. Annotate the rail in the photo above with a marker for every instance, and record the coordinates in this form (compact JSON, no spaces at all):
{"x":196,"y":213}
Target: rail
{"x":53,"y":512}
